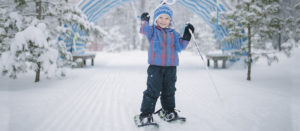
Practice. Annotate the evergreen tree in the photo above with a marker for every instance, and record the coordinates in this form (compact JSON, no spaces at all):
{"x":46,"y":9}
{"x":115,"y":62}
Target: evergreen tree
{"x":31,"y":53}
{"x":287,"y":26}
{"x":297,"y":8}
{"x":255,"y":20}
{"x":11,"y":22}
{"x":47,"y":19}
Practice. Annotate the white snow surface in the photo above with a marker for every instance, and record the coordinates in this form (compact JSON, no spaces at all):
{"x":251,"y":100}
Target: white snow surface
{"x":105,"y":97}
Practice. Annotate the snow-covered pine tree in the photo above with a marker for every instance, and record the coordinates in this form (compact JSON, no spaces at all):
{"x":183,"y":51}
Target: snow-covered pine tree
{"x":254,"y":20}
{"x":50,"y":18}
{"x":61,"y":18}
{"x":27,"y":52}
{"x":8,"y":27}
{"x":31,"y":50}
{"x":11,"y":22}
{"x":297,"y":9}
{"x":285,"y":39}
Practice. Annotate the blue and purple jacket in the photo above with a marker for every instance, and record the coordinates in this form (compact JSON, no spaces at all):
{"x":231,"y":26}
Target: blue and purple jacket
{"x":164,"y":45}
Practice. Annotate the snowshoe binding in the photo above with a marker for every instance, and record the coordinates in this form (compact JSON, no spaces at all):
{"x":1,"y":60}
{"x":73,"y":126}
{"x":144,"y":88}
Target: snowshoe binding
{"x":142,"y":121}
{"x":170,"y":116}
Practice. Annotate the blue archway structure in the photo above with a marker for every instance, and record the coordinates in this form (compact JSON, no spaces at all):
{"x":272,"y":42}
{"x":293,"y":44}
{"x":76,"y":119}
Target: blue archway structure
{"x":206,"y":9}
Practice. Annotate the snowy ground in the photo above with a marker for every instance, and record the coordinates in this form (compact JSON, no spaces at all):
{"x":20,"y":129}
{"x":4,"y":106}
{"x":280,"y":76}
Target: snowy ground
{"x":107,"y":96}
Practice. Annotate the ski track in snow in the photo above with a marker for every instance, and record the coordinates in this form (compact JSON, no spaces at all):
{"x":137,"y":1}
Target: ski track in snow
{"x":107,"y":96}
{"x":85,"y":109}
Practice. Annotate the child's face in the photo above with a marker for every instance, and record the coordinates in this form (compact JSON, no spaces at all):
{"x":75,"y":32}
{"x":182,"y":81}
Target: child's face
{"x":163,"y":21}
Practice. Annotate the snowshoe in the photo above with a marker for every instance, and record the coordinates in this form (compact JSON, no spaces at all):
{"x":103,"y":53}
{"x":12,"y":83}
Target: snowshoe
{"x":170,"y":116}
{"x":141,"y":121}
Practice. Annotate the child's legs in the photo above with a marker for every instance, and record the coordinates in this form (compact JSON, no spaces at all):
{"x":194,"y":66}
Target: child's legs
{"x":168,"y":91}
{"x":154,"y":86}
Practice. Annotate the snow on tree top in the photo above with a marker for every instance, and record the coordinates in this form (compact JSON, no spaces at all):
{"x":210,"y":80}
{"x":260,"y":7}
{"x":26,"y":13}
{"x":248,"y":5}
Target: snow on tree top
{"x":32,"y":33}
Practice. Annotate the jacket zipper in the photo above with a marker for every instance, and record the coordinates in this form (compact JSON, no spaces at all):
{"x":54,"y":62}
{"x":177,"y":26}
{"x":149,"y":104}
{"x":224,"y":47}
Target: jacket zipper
{"x":166,"y":49}
{"x":165,"y":42}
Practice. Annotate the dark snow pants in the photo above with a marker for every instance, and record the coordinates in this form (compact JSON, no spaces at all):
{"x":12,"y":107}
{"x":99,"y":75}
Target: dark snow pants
{"x":160,"y":82}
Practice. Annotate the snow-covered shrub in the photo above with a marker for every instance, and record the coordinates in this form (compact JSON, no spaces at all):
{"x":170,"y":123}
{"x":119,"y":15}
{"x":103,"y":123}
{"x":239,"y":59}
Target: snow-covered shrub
{"x":31,"y":50}
{"x":29,"y":36}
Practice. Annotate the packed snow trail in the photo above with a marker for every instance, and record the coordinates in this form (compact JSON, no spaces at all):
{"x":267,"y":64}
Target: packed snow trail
{"x":107,"y":96}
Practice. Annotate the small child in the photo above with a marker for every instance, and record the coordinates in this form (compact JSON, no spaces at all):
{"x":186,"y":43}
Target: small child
{"x":165,"y":43}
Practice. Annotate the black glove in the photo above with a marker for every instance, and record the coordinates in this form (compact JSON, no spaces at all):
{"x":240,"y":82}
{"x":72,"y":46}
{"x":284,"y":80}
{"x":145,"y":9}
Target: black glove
{"x":187,"y":35}
{"x":145,"y":17}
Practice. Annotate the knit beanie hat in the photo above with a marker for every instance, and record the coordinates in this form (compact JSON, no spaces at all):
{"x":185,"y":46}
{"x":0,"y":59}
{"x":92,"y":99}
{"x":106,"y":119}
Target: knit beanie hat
{"x":164,"y":9}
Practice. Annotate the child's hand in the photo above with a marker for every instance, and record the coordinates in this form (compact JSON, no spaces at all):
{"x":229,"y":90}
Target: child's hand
{"x":187,"y":35}
{"x":145,"y":16}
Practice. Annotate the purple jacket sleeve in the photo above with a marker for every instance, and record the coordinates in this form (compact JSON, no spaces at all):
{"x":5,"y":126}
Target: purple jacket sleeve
{"x":147,"y":30}
{"x":183,"y":43}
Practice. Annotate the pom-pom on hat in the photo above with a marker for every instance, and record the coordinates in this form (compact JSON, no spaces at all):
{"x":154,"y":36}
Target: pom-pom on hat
{"x":164,"y":9}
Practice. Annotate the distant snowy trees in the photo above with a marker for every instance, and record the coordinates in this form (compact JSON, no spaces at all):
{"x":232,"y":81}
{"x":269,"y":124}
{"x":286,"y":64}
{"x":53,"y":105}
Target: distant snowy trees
{"x":113,"y":40}
{"x":261,"y":23}
{"x":122,"y":25}
{"x":29,"y":36}
{"x":204,"y":36}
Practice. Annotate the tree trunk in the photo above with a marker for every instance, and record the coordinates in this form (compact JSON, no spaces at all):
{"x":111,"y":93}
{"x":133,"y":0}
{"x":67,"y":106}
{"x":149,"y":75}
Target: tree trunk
{"x":38,"y":6}
{"x":279,"y":39}
{"x":134,"y":42}
{"x":38,"y":72}
{"x":249,"y":61}
{"x":38,"y":9}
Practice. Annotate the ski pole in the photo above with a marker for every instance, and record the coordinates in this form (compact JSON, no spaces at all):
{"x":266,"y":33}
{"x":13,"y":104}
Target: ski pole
{"x":210,"y":77}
